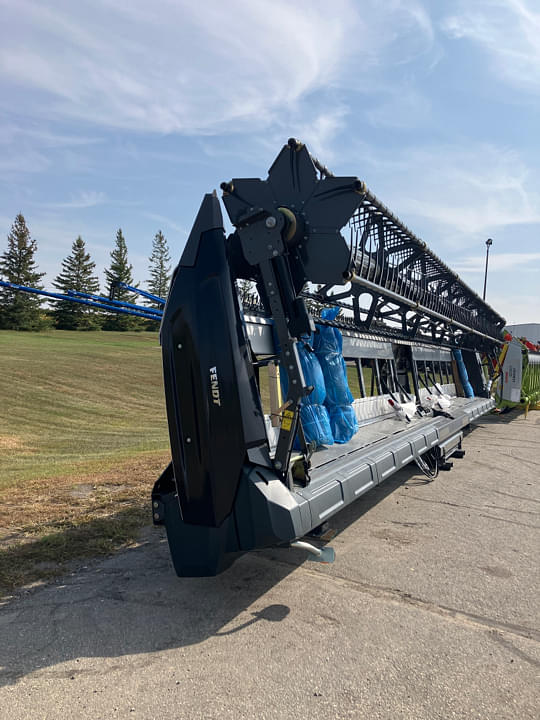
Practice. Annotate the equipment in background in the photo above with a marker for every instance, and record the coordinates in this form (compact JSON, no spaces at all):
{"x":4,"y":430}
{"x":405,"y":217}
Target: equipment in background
{"x":517,"y":380}
{"x":98,"y":302}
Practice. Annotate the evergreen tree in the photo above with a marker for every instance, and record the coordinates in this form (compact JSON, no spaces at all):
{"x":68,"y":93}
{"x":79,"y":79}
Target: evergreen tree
{"x":77,"y":274}
{"x":120,"y":270}
{"x":160,"y":268}
{"x":20,"y":310}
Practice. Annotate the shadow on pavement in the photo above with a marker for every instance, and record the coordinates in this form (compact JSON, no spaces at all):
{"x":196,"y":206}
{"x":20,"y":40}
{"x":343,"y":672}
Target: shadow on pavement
{"x":133,"y":603}
{"x":498,"y":418}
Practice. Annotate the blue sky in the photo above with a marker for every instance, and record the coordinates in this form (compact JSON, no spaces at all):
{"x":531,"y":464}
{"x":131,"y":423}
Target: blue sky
{"x":124,"y":113}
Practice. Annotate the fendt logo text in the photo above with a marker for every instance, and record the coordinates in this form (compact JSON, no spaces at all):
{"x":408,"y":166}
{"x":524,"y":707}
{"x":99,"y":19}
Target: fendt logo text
{"x":214,"y":386}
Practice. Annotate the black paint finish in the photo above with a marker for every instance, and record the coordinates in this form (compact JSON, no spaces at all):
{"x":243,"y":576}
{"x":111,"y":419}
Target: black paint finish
{"x":213,"y":405}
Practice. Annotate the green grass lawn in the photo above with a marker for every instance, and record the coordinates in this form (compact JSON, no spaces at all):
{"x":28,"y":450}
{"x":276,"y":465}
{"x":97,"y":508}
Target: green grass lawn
{"x":75,"y":402}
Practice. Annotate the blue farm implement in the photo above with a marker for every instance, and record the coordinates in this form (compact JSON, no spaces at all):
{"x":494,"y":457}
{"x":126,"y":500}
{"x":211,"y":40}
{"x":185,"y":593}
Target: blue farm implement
{"x":95,"y":301}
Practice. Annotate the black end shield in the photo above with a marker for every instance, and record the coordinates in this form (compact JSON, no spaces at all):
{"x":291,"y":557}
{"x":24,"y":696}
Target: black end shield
{"x":213,"y":405}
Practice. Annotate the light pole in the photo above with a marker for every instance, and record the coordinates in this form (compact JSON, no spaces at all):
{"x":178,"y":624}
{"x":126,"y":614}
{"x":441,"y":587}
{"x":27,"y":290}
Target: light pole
{"x":489,"y":243}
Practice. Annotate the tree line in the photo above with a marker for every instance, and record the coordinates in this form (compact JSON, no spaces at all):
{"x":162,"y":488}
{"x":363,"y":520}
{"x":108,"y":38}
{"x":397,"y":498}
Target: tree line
{"x":22,"y":311}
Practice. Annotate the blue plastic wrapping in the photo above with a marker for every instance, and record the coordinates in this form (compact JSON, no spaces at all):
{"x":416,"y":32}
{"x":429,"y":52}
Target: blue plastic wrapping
{"x":342,"y":422}
{"x":313,"y":374}
{"x":463,"y":374}
{"x":316,"y":425}
{"x":313,"y":413}
{"x":328,"y":348}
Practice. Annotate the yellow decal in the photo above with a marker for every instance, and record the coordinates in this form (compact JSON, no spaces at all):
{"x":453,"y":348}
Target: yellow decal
{"x":286,"y":423}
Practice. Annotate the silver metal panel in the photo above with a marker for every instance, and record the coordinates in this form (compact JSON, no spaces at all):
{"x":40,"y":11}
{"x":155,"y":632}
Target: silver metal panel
{"x":448,"y":447}
{"x":358,"y":481}
{"x":341,"y":476}
{"x":324,"y":500}
{"x":259,"y":332}
{"x":357,"y":347}
{"x":432,"y":436}
{"x":455,"y":426}
{"x":419,"y":444}
{"x":386,"y":464}
{"x":427,"y":353}
{"x":305,"y":513}
{"x":403,"y":454}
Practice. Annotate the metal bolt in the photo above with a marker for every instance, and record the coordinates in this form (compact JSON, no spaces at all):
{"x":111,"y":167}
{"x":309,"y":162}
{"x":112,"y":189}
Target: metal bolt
{"x":278,"y":465}
{"x":156,"y":504}
{"x":275,"y":253}
{"x":156,"y":516}
{"x":271,"y":222}
{"x":270,"y":247}
{"x":294,"y":382}
{"x":179,"y":346}
{"x":287,"y":353}
{"x":291,"y":367}
{"x":272,"y":292}
{"x":188,"y":440}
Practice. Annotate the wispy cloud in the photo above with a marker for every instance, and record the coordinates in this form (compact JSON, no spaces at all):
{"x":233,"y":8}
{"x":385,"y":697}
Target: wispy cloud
{"x":167,"y":222}
{"x":397,"y":31}
{"x":26,"y":148}
{"x":508,"y":30}
{"x":179,"y":94}
{"x":499,"y":262}
{"x":22,"y":160}
{"x":204,"y":67}
{"x":466,"y":188}
{"x":513,"y":305}
{"x":201,"y":68}
{"x":317,"y":129}
{"x":16,"y":133}
{"x":400,"y":107}
{"x":84,"y":199}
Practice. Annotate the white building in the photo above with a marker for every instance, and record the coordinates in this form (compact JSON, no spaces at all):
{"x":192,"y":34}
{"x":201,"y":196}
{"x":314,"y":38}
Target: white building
{"x":530,"y":331}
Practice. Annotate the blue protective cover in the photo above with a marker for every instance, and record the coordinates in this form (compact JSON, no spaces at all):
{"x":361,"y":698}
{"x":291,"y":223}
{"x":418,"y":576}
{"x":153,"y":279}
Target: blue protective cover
{"x":463,"y":374}
{"x":313,"y":413}
{"x":316,"y":425}
{"x":328,"y":348}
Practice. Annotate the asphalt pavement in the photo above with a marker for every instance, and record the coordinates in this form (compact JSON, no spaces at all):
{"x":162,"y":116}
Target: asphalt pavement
{"x":431,"y":610}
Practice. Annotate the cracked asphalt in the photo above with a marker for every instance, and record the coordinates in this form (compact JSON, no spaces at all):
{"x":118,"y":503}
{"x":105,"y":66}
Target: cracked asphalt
{"x":429,"y":611}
